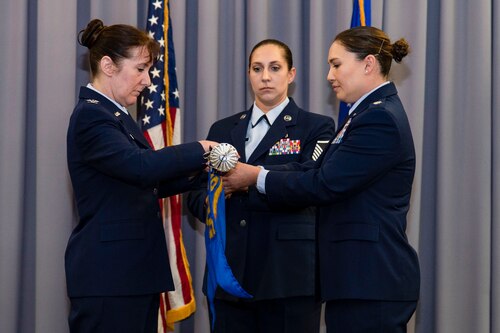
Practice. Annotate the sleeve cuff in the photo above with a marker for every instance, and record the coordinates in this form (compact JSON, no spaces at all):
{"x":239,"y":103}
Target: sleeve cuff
{"x":261,"y":180}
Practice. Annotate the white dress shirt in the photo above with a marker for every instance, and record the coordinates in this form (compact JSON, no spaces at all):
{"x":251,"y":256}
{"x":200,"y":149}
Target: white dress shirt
{"x":258,"y":128}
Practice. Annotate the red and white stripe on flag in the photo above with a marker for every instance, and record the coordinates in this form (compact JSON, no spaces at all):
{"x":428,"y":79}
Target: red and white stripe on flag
{"x":160,"y":119}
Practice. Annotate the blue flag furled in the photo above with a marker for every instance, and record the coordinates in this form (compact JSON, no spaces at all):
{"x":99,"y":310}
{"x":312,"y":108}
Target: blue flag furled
{"x":361,"y":16}
{"x":219,"y":272}
{"x":361,"y":13}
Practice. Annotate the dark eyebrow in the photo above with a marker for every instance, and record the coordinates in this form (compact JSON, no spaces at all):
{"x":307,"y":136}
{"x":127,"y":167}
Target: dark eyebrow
{"x":276,"y":62}
{"x":331,"y":60}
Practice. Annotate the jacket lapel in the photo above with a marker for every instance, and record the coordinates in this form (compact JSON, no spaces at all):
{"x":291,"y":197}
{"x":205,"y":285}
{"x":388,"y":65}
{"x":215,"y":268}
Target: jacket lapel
{"x":130,"y":126}
{"x":239,"y":133}
{"x":381,"y":93}
{"x":279,"y":130}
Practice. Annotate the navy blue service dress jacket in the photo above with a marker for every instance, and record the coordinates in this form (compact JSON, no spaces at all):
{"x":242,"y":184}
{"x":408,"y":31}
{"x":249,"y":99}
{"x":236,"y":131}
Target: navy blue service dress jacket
{"x":362,"y":189}
{"x":270,"y":249}
{"x":118,"y":247}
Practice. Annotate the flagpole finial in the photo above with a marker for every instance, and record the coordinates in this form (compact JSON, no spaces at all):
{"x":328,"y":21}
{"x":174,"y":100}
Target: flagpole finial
{"x":223,"y":157}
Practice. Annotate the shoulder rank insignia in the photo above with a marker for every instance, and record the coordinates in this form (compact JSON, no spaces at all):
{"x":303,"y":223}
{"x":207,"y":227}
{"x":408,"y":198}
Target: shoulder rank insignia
{"x":319,"y":148}
{"x":92,"y":101}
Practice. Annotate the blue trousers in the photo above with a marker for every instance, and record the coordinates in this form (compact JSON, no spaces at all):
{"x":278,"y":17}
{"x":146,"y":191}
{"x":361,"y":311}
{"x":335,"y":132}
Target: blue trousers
{"x":283,"y":315}
{"x":368,"y":316}
{"x":138,"y":314}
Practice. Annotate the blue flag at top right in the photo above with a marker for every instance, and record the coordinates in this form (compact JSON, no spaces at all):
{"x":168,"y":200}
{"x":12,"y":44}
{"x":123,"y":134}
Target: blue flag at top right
{"x":361,"y":16}
{"x":361,"y":13}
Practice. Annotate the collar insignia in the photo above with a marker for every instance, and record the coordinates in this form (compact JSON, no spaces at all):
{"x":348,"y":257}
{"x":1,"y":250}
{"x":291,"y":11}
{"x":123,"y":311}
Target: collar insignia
{"x":287,"y":118}
{"x":92,"y":101}
{"x":117,"y":113}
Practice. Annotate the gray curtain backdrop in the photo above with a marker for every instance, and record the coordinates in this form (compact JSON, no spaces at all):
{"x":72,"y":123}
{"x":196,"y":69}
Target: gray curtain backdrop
{"x":450,"y":85}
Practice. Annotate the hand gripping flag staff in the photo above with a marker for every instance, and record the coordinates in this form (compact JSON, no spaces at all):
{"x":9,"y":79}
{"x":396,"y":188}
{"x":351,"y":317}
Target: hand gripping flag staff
{"x":221,"y":158}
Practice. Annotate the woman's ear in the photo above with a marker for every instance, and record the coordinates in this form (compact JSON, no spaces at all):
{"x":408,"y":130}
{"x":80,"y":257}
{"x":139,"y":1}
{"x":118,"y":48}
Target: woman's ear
{"x":370,"y":63}
{"x":107,"y":65}
{"x":291,"y":75}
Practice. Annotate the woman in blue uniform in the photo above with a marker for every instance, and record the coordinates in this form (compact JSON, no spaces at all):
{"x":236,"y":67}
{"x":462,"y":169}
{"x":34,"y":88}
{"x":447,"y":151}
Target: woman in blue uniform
{"x":271,"y":250}
{"x":116,"y":258}
{"x":369,"y":273}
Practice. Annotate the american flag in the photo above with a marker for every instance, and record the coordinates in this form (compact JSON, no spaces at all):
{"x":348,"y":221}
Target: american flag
{"x":160,"y":119}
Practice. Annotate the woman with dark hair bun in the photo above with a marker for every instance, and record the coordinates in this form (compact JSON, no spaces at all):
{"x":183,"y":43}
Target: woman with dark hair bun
{"x":116,"y":259}
{"x":272,"y":253}
{"x":369,"y":273}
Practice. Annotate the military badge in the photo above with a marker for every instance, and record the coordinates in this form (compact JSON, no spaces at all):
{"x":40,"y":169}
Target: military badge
{"x":285,"y":147}
{"x":340,"y":135}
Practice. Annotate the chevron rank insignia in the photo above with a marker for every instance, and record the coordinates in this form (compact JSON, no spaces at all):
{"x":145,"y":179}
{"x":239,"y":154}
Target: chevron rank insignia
{"x":319,"y":148}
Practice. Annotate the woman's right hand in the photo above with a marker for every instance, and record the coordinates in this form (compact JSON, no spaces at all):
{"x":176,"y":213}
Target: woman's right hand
{"x":240,"y":178}
{"x":207,"y":144}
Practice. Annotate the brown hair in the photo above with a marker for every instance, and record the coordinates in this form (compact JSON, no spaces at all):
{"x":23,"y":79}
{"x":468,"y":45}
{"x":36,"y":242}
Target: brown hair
{"x":115,"y":41}
{"x":369,"y":40}
{"x":287,"y":54}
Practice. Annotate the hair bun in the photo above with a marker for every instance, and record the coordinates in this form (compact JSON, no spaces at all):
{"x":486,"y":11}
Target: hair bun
{"x":400,"y":49}
{"x":88,"y":36}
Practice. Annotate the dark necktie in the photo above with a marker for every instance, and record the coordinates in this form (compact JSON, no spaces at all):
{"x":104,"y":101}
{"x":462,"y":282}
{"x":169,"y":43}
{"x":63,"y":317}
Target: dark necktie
{"x":263,"y":117}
